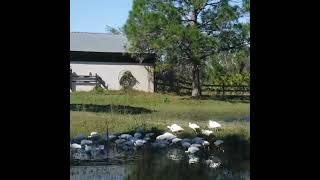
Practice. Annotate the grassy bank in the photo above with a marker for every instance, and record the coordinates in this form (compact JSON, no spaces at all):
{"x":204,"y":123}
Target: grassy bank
{"x":122,"y":112}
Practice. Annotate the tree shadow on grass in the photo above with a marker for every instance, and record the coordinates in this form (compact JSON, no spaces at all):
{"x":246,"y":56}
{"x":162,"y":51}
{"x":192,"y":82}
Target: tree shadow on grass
{"x":121,"y":109}
{"x":227,"y":98}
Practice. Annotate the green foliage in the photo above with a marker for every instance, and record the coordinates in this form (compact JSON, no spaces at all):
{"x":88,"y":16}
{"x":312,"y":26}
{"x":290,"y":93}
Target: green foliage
{"x":227,"y":64}
{"x":239,"y":79}
{"x":113,"y":30}
{"x":98,"y":90}
{"x":128,"y":81}
{"x":185,"y":32}
{"x":246,"y":5}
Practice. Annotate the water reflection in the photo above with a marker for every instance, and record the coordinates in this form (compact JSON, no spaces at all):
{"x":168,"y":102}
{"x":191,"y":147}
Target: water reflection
{"x":164,"y":164}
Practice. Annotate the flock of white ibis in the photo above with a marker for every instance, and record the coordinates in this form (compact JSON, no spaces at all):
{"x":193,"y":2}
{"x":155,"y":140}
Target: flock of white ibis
{"x":88,"y":147}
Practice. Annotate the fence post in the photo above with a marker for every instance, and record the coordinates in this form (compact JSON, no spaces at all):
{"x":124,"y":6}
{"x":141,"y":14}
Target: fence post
{"x":96,"y":80}
{"x":223,"y":93}
{"x":71,"y":79}
{"x":178,"y":87}
{"x":243,"y":90}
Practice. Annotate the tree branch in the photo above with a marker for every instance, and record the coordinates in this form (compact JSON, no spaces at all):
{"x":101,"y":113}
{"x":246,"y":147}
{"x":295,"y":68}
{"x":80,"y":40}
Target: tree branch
{"x":208,"y":4}
{"x":231,"y":47}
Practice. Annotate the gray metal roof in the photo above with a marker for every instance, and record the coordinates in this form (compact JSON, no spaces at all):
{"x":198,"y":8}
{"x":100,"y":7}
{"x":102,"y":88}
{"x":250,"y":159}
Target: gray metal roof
{"x":97,"y":42}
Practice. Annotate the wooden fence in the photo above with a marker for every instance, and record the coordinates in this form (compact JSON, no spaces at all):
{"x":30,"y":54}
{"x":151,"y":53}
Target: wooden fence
{"x":95,"y":80}
{"x":182,"y":87}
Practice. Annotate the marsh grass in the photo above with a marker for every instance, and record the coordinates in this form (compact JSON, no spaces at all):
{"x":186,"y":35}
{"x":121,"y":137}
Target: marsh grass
{"x":165,"y":109}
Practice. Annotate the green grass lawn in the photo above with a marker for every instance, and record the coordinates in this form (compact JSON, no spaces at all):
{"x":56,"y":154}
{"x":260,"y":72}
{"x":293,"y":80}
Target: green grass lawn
{"x":123,"y":112}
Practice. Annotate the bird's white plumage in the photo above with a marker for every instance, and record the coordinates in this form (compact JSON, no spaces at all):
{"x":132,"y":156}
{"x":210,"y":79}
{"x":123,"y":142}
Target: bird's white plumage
{"x":100,"y":147}
{"x":137,"y":135}
{"x":195,"y":145}
{"x":166,"y":136}
{"x":205,"y":143}
{"x":139,"y":142}
{"x":93,"y":133}
{"x":175,"y":128}
{"x":206,"y":132}
{"x":213,"y":124}
{"x":85,"y":142}
{"x":125,"y":136}
{"x":193,"y":126}
{"x":192,"y":149}
{"x":175,"y":140}
{"x":75,"y":146}
{"x":87,"y":148}
{"x":218,"y":142}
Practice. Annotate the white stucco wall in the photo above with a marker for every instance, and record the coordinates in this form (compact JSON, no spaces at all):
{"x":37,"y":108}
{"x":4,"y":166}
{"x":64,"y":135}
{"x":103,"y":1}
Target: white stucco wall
{"x":110,"y":73}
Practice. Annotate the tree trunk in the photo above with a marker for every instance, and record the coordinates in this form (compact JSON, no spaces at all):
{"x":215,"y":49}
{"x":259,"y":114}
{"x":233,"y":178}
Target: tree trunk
{"x":196,"y":87}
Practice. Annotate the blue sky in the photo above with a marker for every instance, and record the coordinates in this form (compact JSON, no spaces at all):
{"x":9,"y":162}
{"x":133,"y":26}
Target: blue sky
{"x":94,"y":15}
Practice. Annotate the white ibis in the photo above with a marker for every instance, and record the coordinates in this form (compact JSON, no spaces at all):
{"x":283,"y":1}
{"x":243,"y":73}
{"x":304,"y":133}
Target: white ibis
{"x":125,"y":136}
{"x":100,"y":147}
{"x":213,"y":124}
{"x":87,"y":148}
{"x":196,"y":145}
{"x":206,"y":132}
{"x":139,"y":142}
{"x":192,"y":149}
{"x":166,"y":136}
{"x":218,"y":142}
{"x":205,"y":143}
{"x":137,"y":135}
{"x":86,"y":142}
{"x":75,"y":146}
{"x":175,"y":140}
{"x":193,"y":126}
{"x":175,"y":128}
{"x":92,"y":134}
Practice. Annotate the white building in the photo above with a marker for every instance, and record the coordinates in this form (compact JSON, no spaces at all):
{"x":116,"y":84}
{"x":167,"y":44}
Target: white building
{"x":106,"y":55}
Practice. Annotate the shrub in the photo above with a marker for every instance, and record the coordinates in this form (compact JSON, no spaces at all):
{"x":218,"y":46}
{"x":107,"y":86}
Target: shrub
{"x":98,"y":90}
{"x":128,"y":81}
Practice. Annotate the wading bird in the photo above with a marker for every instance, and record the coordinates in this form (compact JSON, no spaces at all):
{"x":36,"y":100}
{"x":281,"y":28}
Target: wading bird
{"x":194,"y":126}
{"x":175,"y":128}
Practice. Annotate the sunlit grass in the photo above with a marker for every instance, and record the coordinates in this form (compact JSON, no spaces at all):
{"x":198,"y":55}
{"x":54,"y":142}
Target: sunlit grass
{"x":167,"y":109}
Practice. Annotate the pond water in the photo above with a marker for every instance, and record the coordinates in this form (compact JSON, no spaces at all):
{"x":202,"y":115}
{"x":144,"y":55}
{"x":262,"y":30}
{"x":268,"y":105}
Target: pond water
{"x":165,"y":164}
